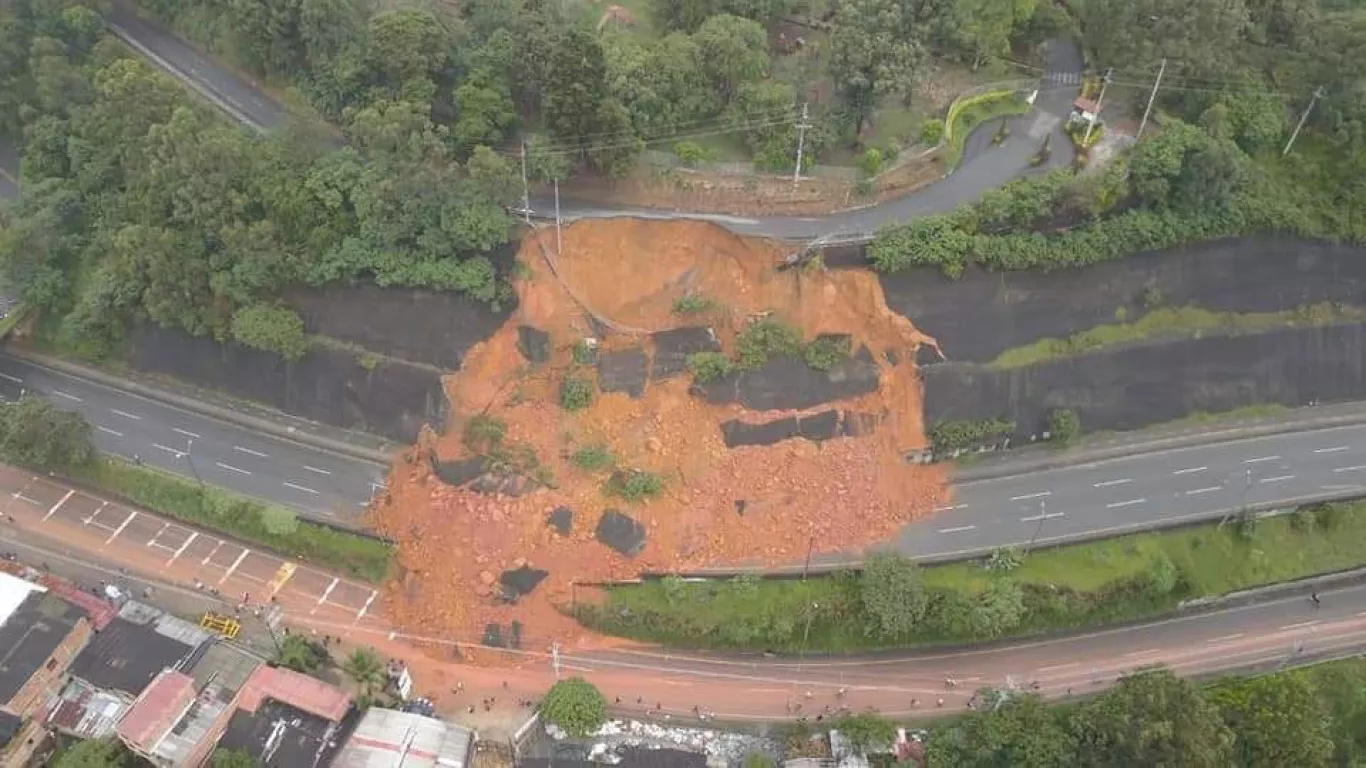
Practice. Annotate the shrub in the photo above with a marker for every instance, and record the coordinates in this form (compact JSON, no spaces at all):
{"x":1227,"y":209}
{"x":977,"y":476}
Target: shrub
{"x":764,"y":339}
{"x":592,"y":458}
{"x":1004,"y":559}
{"x":870,"y":162}
{"x":693,"y":303}
{"x":483,"y":434}
{"x":893,"y":595}
{"x":931,"y":132}
{"x":1064,"y":426}
{"x":633,"y":484}
{"x":1327,"y":516}
{"x":584,"y":353}
{"x":690,"y":154}
{"x":826,"y":352}
{"x":958,"y":435}
{"x":575,"y":705}
{"x":275,"y":329}
{"x":575,"y":393}
{"x":707,"y":367}
{"x":38,"y":435}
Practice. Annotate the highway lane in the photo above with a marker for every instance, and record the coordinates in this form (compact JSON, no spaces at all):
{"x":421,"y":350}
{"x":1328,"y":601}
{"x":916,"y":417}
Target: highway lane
{"x":984,"y":165}
{"x":317,"y":483}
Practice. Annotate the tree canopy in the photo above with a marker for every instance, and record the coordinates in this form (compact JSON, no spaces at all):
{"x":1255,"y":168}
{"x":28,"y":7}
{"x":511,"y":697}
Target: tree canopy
{"x":575,"y":705}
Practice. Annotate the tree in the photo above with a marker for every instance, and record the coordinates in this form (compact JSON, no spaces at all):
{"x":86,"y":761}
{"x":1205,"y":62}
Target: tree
{"x":874,"y":51}
{"x":866,"y":731}
{"x":661,"y":84}
{"x":733,"y":51}
{"x":575,"y":87}
{"x":484,"y":110}
{"x":1064,"y":426}
{"x":893,"y":595}
{"x":985,"y":26}
{"x":575,"y":705}
{"x":300,"y":654}
{"x":1197,"y":37}
{"x":1152,"y":718}
{"x":1022,"y":731}
{"x":94,"y":753}
{"x":277,"y":329}
{"x":365,"y":668}
{"x":997,"y":610}
{"x":1276,"y":719}
{"x":36,"y":434}
{"x":232,"y":758}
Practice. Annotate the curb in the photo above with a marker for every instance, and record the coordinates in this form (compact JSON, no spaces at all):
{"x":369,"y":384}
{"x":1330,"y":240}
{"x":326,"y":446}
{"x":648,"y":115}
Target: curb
{"x":1062,"y":459}
{"x":218,"y":413}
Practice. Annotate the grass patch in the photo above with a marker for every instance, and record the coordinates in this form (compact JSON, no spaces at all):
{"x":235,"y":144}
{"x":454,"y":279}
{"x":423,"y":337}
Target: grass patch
{"x":633,"y":484}
{"x":592,"y":458}
{"x":1260,"y":411}
{"x":246,"y":519}
{"x":966,"y":115}
{"x":1171,"y":322}
{"x":12,"y":319}
{"x":1084,"y":585}
{"x":693,"y":304}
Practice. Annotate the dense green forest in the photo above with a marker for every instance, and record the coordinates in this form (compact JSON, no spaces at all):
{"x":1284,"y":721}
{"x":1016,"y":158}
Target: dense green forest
{"x":1305,"y":718}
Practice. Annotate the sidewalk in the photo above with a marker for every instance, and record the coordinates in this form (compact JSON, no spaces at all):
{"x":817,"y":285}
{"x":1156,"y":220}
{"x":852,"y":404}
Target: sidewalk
{"x":1103,"y":446}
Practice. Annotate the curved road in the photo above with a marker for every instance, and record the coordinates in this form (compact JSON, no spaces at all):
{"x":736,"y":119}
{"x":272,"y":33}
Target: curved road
{"x":984,"y":166}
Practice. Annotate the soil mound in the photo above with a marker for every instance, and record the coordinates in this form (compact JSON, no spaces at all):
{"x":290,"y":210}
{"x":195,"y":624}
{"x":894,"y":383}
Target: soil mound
{"x":586,"y":392}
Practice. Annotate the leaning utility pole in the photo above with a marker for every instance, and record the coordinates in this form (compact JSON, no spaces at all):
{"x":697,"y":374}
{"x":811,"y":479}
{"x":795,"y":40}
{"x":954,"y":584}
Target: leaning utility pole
{"x":526,"y":194}
{"x":559,"y":241}
{"x":1151,"y":98}
{"x":1100,"y":100}
{"x":801,"y":146}
{"x":1318,"y":94}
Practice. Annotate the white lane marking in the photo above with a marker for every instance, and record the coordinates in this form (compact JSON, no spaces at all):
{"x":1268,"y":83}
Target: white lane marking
{"x":1128,"y":503}
{"x":119,"y":530}
{"x":364,"y":608}
{"x":1144,"y":652}
{"x":1189,"y":470}
{"x":315,"y":469}
{"x":326,"y":592}
{"x":1334,"y":449}
{"x":212,"y":552}
{"x":14,"y":379}
{"x":305,"y":489}
{"x":1233,"y":636}
{"x":1199,"y":491}
{"x":1060,"y":666}
{"x":231,"y":468}
{"x":153,"y":540}
{"x":1341,"y":487}
{"x":20,"y":496}
{"x":159,"y":446}
{"x":125,"y":414}
{"x":250,"y":451}
{"x":58,"y":505}
{"x":1302,"y":624}
{"x":185,"y":432}
{"x":1031,"y":496}
{"x":109,"y":431}
{"x":234,"y":565}
{"x":60,"y":393}
{"x":959,"y":529}
{"x":1036,"y":518}
{"x":1276,"y":479}
{"x":1260,"y":459}
{"x":193,"y":535}
{"x":1350,"y":469}
{"x":1109,"y":483}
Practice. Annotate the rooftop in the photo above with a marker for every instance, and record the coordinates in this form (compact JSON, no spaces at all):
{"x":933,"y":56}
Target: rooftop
{"x":278,"y":734}
{"x":223,"y":669}
{"x":13,"y":592}
{"x":34,"y":627}
{"x":126,"y":656}
{"x":157,"y":709}
{"x":86,"y":711}
{"x":387,"y":737}
{"x":101,"y":612}
{"x":1087,"y":105}
{"x":218,"y":674}
{"x":300,"y":691}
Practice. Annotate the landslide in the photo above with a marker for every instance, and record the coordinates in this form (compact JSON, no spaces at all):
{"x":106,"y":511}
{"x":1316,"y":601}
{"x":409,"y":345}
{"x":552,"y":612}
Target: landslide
{"x":616,"y":282}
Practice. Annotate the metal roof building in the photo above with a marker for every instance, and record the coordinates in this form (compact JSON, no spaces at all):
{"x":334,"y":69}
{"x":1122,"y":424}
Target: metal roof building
{"x":387,"y":738}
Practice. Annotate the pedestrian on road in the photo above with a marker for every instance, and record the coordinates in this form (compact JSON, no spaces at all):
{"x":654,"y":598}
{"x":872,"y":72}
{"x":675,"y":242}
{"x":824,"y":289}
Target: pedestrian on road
{"x":941,"y":701}
{"x":1314,"y":598}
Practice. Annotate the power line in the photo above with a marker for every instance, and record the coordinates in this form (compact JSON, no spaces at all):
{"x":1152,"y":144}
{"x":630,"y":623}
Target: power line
{"x":1318,"y":94}
{"x":1151,"y":97}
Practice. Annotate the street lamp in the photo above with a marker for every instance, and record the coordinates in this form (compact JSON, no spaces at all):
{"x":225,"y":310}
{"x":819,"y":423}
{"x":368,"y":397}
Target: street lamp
{"x":188,"y":456}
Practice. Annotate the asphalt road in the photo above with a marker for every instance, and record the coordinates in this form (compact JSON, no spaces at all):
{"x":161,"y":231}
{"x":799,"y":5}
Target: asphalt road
{"x":983,"y":167}
{"x":317,"y":483}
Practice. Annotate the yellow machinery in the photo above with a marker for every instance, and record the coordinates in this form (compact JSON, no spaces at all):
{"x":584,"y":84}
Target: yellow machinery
{"x":226,"y":626}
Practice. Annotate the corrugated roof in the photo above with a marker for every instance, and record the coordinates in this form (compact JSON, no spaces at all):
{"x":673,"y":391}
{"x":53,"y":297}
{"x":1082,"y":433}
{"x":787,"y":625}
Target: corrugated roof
{"x":387,"y":737}
{"x":158,"y":708}
{"x":297,"y":690}
{"x":87,"y":711}
{"x":127,"y":656}
{"x":31,"y":632}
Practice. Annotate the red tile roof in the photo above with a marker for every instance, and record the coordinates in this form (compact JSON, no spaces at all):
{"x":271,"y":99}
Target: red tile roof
{"x":1087,"y":105}
{"x":101,"y":611}
{"x":157,"y":709}
{"x":309,"y":694}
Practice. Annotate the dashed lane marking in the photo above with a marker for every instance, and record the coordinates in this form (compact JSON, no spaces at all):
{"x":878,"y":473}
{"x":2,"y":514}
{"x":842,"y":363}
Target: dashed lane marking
{"x":1199,"y":491}
{"x":231,"y":468}
{"x":1357,"y":468}
{"x":1276,"y":479}
{"x":14,"y":379}
{"x":1128,"y":503}
{"x":185,"y":432}
{"x":1109,"y":483}
{"x":125,"y":414}
{"x":1189,"y":470}
{"x":1038,"y":495}
{"x":250,"y":452}
{"x":315,"y":469}
{"x":1261,"y":459}
{"x":60,"y":393}
{"x":1334,"y":449}
{"x":959,"y":529}
{"x":1036,"y":518}
{"x":161,"y":447}
{"x":109,"y":431}
{"x":305,"y":489}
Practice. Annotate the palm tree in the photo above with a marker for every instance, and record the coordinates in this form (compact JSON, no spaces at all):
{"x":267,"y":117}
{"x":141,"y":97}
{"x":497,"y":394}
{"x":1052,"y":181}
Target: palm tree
{"x":302,"y":655}
{"x":364,"y":666}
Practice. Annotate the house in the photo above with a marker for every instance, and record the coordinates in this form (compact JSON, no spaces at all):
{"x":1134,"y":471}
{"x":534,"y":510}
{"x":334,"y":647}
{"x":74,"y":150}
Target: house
{"x":40,"y":633}
{"x":176,"y":720}
{"x":287,"y":719}
{"x":1085,"y":111}
{"x":119,"y":664}
{"x":388,"y":737}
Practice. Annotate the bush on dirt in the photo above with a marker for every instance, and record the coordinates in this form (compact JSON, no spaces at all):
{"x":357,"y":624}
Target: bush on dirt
{"x":826,"y":352}
{"x":707,"y":367}
{"x":575,"y":705}
{"x":961,"y":435}
{"x":764,"y":339}
{"x":483,"y":434}
{"x":575,"y":393}
{"x":592,"y":458}
{"x":633,"y":484}
{"x":693,"y":303}
{"x":931,"y":132}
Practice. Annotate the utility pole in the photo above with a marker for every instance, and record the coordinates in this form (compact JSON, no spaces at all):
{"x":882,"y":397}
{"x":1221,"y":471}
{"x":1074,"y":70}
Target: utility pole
{"x":526,"y":194}
{"x":1151,"y":98}
{"x":801,"y":145}
{"x":1100,"y":101}
{"x":555,"y":659}
{"x":1318,"y":94}
{"x":559,"y":242}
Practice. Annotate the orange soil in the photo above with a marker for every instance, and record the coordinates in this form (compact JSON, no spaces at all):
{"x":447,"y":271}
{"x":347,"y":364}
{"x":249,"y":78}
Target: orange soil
{"x":847,"y":493}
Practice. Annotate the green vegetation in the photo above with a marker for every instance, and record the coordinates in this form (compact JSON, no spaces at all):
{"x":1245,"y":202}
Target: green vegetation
{"x":763,"y":339}
{"x":961,"y":435}
{"x":485,"y":435}
{"x":966,"y":114}
{"x":364,"y":667}
{"x":584,"y":353}
{"x":1169,"y":322}
{"x":271,"y":328}
{"x":575,"y":393}
{"x":302,"y":654}
{"x":1305,"y":717}
{"x":694,"y":303}
{"x":12,"y":319}
{"x":35,"y":434}
{"x":826,"y":352}
{"x":707,"y":367}
{"x":633,"y":484}
{"x":95,"y":753}
{"x":575,"y":705}
{"x":593,"y":458}
{"x":1064,"y":426}
{"x":232,"y":758}
{"x":896,"y":604}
